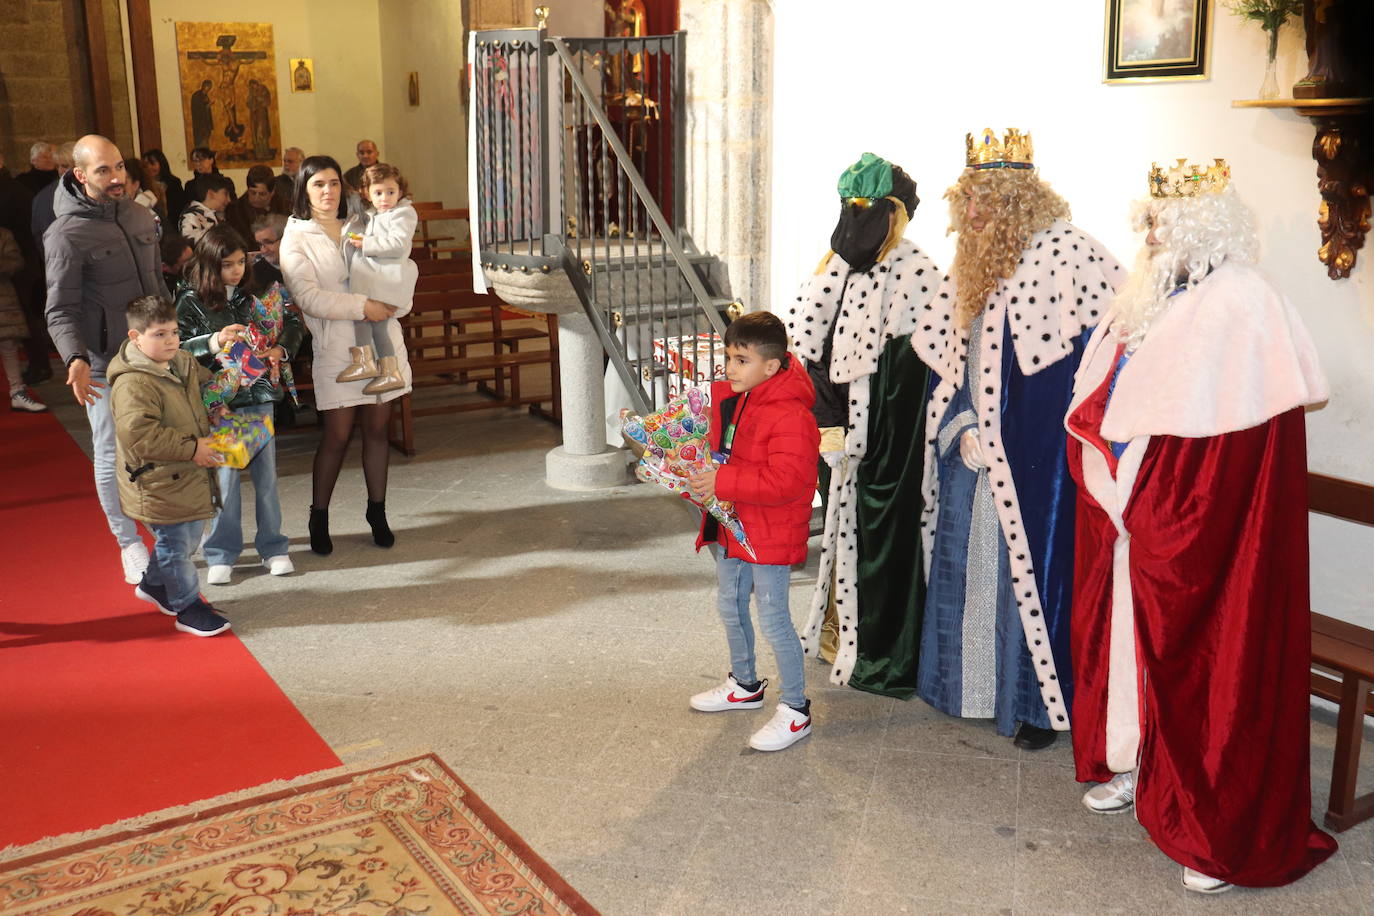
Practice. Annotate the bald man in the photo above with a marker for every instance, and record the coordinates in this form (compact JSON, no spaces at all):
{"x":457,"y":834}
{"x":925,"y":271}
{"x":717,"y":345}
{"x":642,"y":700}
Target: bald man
{"x":367,"y":157}
{"x":101,"y":252}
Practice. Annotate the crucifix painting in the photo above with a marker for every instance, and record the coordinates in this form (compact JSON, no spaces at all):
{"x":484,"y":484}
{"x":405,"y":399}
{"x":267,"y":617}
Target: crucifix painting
{"x":229,"y":91}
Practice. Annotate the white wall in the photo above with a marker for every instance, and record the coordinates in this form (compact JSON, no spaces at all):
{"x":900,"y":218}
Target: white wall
{"x":341,"y":36}
{"x":907,"y":81}
{"x":427,"y":142}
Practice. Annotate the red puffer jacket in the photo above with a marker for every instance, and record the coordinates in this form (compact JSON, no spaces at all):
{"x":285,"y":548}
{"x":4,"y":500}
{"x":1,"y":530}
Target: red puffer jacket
{"x":771,"y":473}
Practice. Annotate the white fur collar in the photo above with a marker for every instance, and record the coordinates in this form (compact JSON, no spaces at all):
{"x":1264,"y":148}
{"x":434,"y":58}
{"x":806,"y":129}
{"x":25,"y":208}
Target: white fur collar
{"x":1060,"y":287}
{"x":878,"y":305}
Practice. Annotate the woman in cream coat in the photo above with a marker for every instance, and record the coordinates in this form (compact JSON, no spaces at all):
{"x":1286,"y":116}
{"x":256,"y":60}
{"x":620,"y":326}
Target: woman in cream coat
{"x":315,"y":262}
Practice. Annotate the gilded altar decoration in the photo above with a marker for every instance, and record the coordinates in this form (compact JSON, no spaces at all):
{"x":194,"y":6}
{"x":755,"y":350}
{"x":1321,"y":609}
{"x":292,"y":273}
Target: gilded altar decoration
{"x":229,"y":91}
{"x":302,"y":74}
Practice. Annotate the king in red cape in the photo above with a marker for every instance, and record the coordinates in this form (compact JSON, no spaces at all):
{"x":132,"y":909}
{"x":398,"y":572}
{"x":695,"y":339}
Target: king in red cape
{"x":1190,"y":624}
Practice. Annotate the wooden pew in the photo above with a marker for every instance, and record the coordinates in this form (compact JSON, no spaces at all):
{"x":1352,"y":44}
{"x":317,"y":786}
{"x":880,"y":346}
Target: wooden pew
{"x":1343,"y":659}
{"x":455,"y":337}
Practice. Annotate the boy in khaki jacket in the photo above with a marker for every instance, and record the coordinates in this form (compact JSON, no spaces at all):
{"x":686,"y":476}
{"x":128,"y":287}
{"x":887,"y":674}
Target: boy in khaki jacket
{"x":162,"y":446}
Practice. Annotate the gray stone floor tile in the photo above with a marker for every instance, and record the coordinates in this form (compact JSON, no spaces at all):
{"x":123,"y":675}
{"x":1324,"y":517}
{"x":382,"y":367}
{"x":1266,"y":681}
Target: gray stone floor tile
{"x":915,"y":725}
{"x":978,"y":790}
{"x":647,"y":755}
{"x":864,"y":904}
{"x":811,"y":772}
{"x":520,"y":743}
{"x":705,"y":894}
{"x":904,"y":854}
{"x":1071,"y":873}
{"x":1049,"y":798}
{"x":620,"y":889}
{"x":800,"y":845}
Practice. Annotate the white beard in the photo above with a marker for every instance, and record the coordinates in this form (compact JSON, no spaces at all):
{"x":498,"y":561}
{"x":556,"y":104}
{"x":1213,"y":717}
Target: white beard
{"x":1145,"y":295}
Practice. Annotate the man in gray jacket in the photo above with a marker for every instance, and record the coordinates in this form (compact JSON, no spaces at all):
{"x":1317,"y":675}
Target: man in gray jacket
{"x":101,"y":253}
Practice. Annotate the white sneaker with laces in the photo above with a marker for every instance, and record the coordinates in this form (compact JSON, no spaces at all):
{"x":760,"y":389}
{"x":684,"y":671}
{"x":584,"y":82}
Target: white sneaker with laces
{"x":219,"y":574}
{"x":786,"y":728}
{"x":1112,"y":797}
{"x":134,"y":559}
{"x":23,"y":399}
{"x":729,"y":695}
{"x":1199,"y":883}
{"x":279,"y":565}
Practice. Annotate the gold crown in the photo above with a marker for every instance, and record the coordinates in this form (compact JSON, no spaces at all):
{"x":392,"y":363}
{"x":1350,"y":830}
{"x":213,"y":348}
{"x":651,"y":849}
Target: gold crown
{"x":1013,"y":152}
{"x":1184,"y":180}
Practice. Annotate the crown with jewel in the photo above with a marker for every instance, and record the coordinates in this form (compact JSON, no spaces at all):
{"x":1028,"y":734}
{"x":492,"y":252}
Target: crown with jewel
{"x":1185,"y":180}
{"x":1012,"y":152}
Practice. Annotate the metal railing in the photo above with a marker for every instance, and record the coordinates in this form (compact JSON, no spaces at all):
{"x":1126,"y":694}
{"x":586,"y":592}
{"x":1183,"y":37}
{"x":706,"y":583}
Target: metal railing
{"x":611,"y":183}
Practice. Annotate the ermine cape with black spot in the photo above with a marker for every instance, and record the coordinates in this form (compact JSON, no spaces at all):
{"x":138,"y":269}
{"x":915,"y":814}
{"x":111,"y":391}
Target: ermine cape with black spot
{"x":1059,"y":290}
{"x":868,"y":310}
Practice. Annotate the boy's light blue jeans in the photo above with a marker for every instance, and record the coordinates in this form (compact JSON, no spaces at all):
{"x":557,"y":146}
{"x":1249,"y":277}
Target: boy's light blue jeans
{"x":103,"y":457}
{"x":224,"y":543}
{"x":171,"y":565}
{"x":737,"y":579}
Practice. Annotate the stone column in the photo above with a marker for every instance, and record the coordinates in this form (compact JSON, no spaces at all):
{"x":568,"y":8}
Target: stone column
{"x":729,"y":147}
{"x":583,"y":461}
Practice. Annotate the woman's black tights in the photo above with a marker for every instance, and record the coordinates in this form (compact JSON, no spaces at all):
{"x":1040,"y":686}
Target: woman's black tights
{"x":336,"y":428}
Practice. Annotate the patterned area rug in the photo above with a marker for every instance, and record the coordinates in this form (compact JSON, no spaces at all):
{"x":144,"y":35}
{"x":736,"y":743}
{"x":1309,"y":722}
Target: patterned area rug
{"x":403,"y":839}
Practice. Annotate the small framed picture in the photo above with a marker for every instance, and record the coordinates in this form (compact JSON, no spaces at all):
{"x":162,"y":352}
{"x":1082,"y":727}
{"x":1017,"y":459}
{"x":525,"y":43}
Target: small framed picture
{"x":413,"y":88}
{"x":1152,"y":40}
{"x":302,"y":74}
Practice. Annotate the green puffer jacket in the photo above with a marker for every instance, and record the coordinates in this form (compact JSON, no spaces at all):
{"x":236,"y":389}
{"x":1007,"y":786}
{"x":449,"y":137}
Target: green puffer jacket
{"x":158,"y":416}
{"x":199,"y":326}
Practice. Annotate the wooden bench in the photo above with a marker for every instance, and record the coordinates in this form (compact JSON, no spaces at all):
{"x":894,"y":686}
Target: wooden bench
{"x":455,"y":337}
{"x":427,"y":243}
{"x":1343,"y":659}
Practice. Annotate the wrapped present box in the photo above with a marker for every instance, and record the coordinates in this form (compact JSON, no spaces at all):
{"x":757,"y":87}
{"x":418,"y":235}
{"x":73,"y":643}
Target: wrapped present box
{"x":236,"y":438}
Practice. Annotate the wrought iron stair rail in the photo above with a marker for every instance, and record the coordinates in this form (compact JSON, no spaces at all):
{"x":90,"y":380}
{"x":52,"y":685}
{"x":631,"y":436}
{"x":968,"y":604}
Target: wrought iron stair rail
{"x":610,"y":110}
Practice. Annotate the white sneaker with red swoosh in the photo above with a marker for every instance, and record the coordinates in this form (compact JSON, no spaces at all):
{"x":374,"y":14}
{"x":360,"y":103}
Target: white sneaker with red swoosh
{"x":786,"y":728}
{"x":729,"y":695}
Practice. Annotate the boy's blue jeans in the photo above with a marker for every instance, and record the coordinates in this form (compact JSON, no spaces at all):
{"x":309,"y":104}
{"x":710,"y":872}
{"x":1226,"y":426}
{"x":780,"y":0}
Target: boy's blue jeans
{"x":171,"y":564}
{"x":225,"y":541}
{"x":737,"y":578}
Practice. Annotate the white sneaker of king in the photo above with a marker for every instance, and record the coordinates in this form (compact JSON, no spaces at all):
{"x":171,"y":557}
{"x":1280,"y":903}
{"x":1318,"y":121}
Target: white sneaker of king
{"x":1112,"y":797}
{"x":1199,"y":883}
{"x":786,"y":728}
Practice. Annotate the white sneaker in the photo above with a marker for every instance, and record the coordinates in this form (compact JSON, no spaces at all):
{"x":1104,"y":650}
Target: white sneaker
{"x":279,"y":565}
{"x":23,"y":399}
{"x":786,"y":728}
{"x":134,"y":559}
{"x":729,"y":695}
{"x":219,"y":574}
{"x":1112,"y":797}
{"x":1199,"y":883}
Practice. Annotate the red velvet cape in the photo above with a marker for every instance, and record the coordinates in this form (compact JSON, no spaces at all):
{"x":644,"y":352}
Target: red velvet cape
{"x":1219,"y":578}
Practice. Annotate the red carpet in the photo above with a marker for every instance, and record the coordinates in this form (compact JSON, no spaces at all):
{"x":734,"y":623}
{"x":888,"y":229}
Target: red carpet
{"x":106,"y":711}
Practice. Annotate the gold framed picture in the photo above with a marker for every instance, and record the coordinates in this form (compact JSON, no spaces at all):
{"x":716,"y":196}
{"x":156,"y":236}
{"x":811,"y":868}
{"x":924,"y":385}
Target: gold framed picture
{"x":1153,"y":40}
{"x":302,"y":74}
{"x":228,"y":78}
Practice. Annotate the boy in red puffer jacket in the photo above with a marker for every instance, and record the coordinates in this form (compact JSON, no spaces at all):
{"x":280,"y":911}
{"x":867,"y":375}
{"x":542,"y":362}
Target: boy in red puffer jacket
{"x":761,"y":419}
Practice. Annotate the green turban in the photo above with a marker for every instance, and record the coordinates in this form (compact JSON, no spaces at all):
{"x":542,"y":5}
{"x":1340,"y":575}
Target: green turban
{"x":870,"y":177}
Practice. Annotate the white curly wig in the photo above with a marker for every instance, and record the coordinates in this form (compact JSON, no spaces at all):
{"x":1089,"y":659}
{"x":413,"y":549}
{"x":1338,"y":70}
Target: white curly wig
{"x":1195,"y":235}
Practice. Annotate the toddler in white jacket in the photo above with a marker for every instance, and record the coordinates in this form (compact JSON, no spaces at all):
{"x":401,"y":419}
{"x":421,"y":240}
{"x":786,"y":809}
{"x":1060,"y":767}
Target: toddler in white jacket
{"x":381,"y":270}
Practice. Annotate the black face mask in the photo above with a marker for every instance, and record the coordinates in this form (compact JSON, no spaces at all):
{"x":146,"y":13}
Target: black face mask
{"x":860,"y":232}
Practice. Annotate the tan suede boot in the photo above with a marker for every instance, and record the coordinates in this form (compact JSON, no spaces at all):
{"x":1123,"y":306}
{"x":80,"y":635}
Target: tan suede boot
{"x":363,"y":366}
{"x":388,"y":378}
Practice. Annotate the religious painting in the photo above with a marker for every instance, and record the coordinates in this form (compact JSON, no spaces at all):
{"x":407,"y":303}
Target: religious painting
{"x":229,"y":92}
{"x":1151,"y":40}
{"x":302,"y":74}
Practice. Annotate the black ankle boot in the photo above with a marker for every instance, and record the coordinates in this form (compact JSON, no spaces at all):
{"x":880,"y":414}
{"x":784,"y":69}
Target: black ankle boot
{"x":320,"y":541}
{"x":376,"y":517}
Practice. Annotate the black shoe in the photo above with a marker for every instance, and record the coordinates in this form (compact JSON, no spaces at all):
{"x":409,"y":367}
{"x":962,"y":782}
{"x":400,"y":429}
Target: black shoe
{"x":201,"y":620}
{"x":376,"y":517}
{"x":320,"y":542}
{"x":1030,"y":738}
{"x":155,"y":595}
{"x":37,"y":374}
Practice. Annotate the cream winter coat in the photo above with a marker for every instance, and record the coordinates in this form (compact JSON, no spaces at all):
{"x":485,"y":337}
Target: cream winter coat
{"x":316,"y":271}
